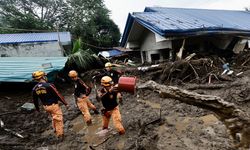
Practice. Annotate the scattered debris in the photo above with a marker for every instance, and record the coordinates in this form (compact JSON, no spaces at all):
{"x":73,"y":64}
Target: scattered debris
{"x":29,"y":107}
{"x":10,"y":131}
{"x":8,"y":113}
{"x":179,"y":125}
{"x":234,"y":119}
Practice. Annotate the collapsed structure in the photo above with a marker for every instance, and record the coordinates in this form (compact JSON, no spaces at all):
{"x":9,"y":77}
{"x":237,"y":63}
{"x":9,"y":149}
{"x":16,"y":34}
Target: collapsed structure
{"x":159,"y":33}
{"x":23,"y":53}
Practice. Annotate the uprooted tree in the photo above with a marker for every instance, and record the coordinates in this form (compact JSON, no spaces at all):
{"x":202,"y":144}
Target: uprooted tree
{"x":235,"y":120}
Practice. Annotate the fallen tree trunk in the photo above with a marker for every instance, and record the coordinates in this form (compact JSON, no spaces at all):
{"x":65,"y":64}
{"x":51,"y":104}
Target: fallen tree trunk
{"x":234,"y":119}
{"x":212,"y":86}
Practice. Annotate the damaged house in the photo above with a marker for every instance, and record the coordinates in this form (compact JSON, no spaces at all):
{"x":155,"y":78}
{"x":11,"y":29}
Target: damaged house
{"x":34,"y":44}
{"x":160,"y":33}
{"x":23,"y":53}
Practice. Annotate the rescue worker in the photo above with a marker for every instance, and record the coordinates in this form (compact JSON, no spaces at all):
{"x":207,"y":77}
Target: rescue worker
{"x":111,"y":72}
{"x":109,"y":96}
{"x":49,"y":97}
{"x":81,"y":95}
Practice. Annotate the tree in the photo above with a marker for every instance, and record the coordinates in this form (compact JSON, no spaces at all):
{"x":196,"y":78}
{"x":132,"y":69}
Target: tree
{"x":107,"y":31}
{"x":89,"y":19}
{"x":85,"y":19}
{"x":31,"y":14}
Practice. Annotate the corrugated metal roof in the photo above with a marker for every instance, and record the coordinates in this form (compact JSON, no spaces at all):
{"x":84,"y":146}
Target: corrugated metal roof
{"x":180,"y":21}
{"x":34,"y":37}
{"x":19,"y":69}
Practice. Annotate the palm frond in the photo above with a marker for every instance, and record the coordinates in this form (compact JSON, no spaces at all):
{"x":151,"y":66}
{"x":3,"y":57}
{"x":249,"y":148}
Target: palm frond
{"x":83,"y":59}
{"x":76,"y":46}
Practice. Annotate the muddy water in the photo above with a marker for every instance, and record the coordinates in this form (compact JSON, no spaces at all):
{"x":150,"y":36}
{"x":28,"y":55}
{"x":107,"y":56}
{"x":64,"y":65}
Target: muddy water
{"x":91,"y":134}
{"x":153,"y":105}
{"x":149,"y":103}
{"x":209,"y":119}
{"x":181,"y":123}
{"x":179,"y":129}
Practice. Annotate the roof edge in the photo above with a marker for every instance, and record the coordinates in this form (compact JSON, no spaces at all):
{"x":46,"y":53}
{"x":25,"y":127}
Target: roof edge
{"x":127,"y":29}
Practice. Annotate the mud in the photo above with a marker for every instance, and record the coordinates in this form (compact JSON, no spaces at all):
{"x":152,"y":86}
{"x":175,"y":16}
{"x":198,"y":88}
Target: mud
{"x":151,"y":122}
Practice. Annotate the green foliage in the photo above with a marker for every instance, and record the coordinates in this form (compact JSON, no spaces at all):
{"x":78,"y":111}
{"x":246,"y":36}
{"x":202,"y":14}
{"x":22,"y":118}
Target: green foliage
{"x":107,"y":32}
{"x":83,"y":60}
{"x":87,"y":19}
{"x":31,"y":14}
{"x":76,"y":46}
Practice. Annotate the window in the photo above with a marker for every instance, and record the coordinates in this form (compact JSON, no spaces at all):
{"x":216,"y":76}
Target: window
{"x":155,"y":57}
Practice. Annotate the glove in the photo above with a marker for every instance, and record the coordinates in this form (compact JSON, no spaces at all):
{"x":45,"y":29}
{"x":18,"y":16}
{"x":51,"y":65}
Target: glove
{"x":114,"y":89}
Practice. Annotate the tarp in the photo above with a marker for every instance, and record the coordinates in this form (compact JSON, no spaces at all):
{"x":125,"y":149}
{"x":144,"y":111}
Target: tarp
{"x":20,"y":69}
{"x":63,"y":37}
{"x":110,"y":53}
{"x":169,"y":22}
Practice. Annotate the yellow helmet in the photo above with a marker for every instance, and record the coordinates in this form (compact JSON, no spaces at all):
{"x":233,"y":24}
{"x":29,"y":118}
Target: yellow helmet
{"x":73,"y":74}
{"x":108,"y":64}
{"x":38,"y":75}
{"x":106,"y":81}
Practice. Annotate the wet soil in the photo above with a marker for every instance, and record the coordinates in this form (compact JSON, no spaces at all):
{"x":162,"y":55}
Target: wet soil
{"x":151,"y":122}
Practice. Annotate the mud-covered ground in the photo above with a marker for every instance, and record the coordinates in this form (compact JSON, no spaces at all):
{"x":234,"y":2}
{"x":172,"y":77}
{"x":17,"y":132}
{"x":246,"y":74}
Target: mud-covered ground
{"x":150,"y":121}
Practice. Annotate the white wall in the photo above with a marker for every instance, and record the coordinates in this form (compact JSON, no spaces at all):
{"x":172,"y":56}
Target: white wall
{"x":48,"y":49}
{"x":149,"y":42}
{"x":149,"y":53}
{"x":151,"y":46}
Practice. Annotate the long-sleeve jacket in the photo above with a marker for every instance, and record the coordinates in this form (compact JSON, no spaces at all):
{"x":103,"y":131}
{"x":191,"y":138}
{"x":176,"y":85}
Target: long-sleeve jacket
{"x":81,"y":88}
{"x":47,"y":93}
{"x":114,"y":74}
{"x":108,"y":99}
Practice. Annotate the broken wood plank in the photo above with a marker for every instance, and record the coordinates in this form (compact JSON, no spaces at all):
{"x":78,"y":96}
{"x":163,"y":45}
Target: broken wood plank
{"x":7,"y":113}
{"x":179,"y":54}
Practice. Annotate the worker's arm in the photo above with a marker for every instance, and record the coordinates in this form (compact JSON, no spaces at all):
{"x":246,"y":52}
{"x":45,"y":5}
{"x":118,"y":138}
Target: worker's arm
{"x":52,"y":86}
{"x":119,"y":97}
{"x":88,"y":90}
{"x":100,"y":94}
{"x":35,"y":100}
{"x":114,"y":88}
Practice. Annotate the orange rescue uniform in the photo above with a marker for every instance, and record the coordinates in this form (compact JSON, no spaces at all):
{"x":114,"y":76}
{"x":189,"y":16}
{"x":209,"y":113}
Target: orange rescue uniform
{"x":111,"y":109}
{"x":49,"y":97}
{"x":81,"y":93}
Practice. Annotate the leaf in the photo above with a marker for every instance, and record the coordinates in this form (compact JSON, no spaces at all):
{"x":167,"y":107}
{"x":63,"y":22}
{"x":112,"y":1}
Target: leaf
{"x":83,"y":59}
{"x":77,"y":46}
